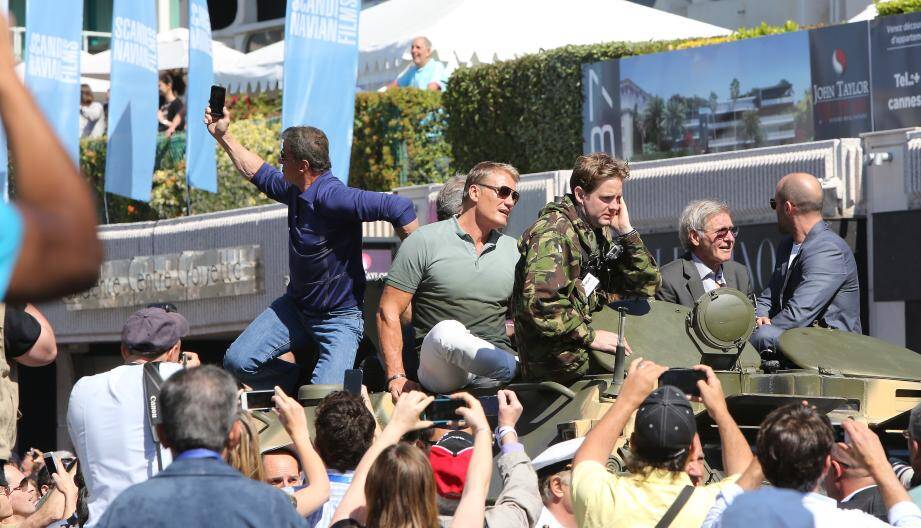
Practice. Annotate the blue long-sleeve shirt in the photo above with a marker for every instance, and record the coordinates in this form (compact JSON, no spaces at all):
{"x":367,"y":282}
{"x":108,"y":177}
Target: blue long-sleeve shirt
{"x":324,"y":236}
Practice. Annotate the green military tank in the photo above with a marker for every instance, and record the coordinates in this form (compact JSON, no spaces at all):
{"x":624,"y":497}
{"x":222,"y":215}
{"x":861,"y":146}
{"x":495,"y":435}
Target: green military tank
{"x":842,"y":374}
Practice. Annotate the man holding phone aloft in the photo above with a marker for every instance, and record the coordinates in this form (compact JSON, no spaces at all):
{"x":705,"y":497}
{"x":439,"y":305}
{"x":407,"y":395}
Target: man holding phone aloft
{"x":664,"y":442}
{"x":324,"y":298}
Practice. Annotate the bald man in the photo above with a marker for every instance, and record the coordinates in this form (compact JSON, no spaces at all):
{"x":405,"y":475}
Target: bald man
{"x":815,"y":279}
{"x":425,"y":73}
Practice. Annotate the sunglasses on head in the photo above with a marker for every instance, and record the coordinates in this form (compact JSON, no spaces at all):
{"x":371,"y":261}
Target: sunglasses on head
{"x":503,"y":192}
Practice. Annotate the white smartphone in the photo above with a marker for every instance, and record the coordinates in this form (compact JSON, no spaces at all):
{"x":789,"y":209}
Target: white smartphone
{"x":260,"y":400}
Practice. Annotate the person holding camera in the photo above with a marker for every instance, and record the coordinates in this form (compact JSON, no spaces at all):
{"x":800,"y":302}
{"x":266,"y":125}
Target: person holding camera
{"x":394,"y":484}
{"x":572,"y":266}
{"x":663,"y":443}
{"x":107,"y":416}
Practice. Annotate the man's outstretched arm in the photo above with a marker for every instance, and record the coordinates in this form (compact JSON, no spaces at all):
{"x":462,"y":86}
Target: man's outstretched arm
{"x":244,"y":160}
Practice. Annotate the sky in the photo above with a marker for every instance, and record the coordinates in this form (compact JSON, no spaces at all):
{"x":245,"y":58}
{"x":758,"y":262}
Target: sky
{"x":757,"y":63}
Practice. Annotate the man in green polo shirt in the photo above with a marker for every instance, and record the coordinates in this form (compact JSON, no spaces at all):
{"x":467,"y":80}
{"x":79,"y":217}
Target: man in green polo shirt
{"x":458,"y":274}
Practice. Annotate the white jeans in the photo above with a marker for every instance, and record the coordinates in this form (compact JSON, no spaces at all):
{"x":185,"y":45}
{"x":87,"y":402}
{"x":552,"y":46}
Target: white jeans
{"x":452,"y":358}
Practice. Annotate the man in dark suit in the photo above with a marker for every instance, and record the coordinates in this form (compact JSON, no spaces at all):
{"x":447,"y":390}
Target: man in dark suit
{"x":849,"y":482}
{"x":199,"y":413}
{"x":708,"y":235}
{"x":815,"y":279}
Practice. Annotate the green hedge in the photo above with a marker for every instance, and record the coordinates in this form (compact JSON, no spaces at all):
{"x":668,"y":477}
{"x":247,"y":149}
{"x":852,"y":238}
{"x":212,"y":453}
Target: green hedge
{"x":399,"y":139}
{"x":897,"y":7}
{"x":168,"y":196}
{"x":528,"y":111}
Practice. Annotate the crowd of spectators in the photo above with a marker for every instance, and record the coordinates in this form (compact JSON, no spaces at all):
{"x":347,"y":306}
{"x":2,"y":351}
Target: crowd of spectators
{"x":162,"y":440}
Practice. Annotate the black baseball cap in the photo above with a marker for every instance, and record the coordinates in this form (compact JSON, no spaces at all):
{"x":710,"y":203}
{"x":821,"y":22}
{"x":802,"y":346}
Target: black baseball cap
{"x":664,"y":425}
{"x":152,"y":330}
{"x":914,"y":423}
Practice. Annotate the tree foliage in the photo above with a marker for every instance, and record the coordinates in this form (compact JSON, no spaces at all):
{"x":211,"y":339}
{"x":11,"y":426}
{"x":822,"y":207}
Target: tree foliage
{"x":897,"y":7}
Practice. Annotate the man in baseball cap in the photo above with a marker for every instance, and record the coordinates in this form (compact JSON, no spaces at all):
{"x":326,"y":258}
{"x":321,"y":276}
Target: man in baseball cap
{"x":107,"y":414}
{"x":663,"y":445}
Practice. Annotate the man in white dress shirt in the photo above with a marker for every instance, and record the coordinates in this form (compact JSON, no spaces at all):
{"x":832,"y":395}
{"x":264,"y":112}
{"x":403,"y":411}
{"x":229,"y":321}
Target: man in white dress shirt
{"x":107,"y":414}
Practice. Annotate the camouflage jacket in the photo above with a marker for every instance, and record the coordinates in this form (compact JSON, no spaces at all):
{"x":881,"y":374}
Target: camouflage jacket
{"x":552,"y":312}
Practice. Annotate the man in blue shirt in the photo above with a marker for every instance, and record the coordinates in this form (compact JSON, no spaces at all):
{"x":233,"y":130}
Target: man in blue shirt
{"x":326,"y":292}
{"x":425,"y":72}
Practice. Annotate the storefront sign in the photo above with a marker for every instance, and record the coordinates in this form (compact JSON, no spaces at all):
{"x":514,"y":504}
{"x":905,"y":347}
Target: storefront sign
{"x":174,"y":277}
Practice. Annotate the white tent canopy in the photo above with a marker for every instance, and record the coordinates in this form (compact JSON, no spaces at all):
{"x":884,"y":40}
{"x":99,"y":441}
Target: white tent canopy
{"x":172,"y":53}
{"x":869,"y":13}
{"x":469,"y":32}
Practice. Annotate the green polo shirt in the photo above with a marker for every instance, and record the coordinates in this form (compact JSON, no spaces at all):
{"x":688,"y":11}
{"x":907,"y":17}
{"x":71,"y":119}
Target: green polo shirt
{"x":438,"y":264}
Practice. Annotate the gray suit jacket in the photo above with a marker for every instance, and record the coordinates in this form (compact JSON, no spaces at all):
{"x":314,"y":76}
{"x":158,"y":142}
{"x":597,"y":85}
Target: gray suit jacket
{"x":681,"y":282}
{"x":821,"y":286}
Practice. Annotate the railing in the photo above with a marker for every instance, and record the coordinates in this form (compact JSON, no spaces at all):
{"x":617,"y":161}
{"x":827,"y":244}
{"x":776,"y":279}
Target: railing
{"x":659,"y":190}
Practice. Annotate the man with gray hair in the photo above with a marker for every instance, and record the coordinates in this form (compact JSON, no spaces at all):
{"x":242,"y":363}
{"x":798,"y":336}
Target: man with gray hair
{"x":458,"y":274}
{"x":322,"y":303}
{"x":450,"y":197}
{"x":200,"y":425}
{"x":708,"y":236}
{"x":425,"y":73}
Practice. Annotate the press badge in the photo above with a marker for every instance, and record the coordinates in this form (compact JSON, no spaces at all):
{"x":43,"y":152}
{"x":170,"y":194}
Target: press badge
{"x":589,"y":283}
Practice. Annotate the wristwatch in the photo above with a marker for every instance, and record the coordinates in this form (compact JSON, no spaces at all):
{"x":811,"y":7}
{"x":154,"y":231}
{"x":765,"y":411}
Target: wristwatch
{"x":394,"y":377}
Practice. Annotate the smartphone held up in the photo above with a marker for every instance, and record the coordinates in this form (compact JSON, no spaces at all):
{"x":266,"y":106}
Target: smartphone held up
{"x":216,"y":101}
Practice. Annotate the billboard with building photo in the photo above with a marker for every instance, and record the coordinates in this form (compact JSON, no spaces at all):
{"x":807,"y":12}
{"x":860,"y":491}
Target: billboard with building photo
{"x":743,"y":94}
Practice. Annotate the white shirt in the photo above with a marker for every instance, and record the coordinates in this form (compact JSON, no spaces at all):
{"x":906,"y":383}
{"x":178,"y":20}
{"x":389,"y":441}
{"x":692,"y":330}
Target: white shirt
{"x":851,"y":496}
{"x":338,"y":485}
{"x":794,"y":251}
{"x":108,"y":425}
{"x":547,"y":520}
{"x":824,"y":510}
{"x":710,"y":279}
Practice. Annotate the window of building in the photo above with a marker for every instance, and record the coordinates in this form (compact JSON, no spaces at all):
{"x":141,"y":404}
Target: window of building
{"x":222,"y":13}
{"x":270,"y":9}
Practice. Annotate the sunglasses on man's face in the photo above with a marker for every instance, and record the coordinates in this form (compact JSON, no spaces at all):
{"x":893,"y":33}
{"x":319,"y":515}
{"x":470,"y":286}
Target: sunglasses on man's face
{"x":773,"y":203}
{"x":503,"y":192}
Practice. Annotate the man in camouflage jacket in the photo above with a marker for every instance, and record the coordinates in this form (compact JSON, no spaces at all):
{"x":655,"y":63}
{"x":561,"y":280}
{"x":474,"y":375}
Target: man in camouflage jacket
{"x":563,"y":253}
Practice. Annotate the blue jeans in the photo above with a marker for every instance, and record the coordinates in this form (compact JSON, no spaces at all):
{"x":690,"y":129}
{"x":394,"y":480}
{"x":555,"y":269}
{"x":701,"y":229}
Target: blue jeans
{"x":253,"y":357}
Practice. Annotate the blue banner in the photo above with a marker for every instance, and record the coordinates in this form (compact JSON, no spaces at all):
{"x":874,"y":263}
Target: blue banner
{"x":201,"y":163}
{"x":53,"y":34}
{"x":4,"y":155}
{"x":321,"y":66}
{"x":133,"y":99}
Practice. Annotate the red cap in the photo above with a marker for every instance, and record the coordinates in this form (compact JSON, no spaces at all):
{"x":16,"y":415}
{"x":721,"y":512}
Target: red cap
{"x":450,"y":458}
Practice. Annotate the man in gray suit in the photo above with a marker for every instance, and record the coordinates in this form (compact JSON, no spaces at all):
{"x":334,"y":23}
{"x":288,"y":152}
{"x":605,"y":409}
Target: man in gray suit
{"x":815,"y":279}
{"x":708,"y":235}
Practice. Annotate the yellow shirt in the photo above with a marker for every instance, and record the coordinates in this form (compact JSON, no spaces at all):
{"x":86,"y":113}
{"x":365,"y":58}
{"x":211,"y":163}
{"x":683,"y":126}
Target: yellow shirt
{"x":602,"y":499}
